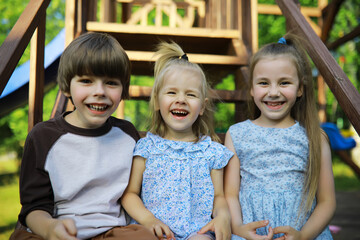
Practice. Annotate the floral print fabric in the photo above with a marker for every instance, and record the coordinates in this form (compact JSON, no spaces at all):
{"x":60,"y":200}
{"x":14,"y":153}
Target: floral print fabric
{"x":177,"y":186}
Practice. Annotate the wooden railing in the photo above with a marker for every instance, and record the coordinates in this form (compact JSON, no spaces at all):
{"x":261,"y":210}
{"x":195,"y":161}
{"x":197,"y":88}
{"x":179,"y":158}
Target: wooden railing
{"x":342,"y":88}
{"x":30,"y":25}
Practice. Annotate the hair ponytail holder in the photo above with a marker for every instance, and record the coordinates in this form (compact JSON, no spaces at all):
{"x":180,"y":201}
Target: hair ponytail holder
{"x":185,"y":57}
{"x":282,"y":41}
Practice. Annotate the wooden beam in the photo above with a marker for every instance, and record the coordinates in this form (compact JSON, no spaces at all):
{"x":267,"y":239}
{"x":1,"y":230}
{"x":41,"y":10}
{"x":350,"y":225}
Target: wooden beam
{"x":328,"y":14}
{"x":143,"y":56}
{"x":344,"y":91}
{"x":348,"y":37}
{"x":152,"y":30}
{"x":60,"y":105}
{"x":17,"y":40}
{"x":275,"y":10}
{"x":70,"y":21}
{"x":36,"y":80}
{"x":143,"y":93}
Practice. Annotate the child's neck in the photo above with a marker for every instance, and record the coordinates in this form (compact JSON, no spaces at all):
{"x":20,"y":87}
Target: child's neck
{"x":285,"y":123}
{"x":184,"y":137}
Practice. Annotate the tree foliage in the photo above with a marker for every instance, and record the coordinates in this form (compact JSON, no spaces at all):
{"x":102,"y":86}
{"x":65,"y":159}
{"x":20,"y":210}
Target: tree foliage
{"x":13,"y":128}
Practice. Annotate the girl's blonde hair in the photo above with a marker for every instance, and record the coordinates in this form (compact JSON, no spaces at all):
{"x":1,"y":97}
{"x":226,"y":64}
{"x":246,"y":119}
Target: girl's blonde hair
{"x":172,"y":57}
{"x":304,"y":110}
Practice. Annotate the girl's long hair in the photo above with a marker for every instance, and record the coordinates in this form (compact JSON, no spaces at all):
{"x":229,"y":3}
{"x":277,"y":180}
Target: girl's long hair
{"x":171,"y":57}
{"x":304,"y":110}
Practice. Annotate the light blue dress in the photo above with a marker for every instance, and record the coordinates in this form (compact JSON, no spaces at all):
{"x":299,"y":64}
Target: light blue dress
{"x":272,"y":168}
{"x":177,"y":186}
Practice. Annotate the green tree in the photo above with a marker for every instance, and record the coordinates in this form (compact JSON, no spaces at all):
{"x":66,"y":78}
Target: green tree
{"x":13,"y":127}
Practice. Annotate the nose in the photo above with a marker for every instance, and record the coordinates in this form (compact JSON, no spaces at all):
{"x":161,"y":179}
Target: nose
{"x":99,"y":89}
{"x":273,"y":91}
{"x":180,"y":99}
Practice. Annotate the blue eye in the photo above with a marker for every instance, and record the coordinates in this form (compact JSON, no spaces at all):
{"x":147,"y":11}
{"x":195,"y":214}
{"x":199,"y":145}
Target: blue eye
{"x":285,"y":83}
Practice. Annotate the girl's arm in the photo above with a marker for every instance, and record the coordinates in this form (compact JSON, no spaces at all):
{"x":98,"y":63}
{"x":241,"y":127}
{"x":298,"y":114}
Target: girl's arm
{"x":221,"y":216}
{"x":134,"y":206}
{"x":325,"y":196}
{"x":232,"y":188}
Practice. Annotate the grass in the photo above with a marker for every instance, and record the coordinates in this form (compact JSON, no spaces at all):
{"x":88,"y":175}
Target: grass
{"x":345,"y":180}
{"x":9,"y":208}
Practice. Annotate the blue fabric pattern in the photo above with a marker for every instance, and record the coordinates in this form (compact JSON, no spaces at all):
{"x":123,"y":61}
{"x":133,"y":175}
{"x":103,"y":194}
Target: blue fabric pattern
{"x":177,"y":186}
{"x":272,"y":168}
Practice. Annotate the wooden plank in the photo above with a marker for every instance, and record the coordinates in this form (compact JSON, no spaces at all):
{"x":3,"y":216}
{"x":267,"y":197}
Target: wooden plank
{"x":60,"y":105}
{"x":348,"y":37}
{"x":139,"y":56}
{"x":70,"y":20}
{"x":329,"y":13}
{"x":275,"y":10}
{"x":17,"y":40}
{"x":152,"y":30}
{"x":36,"y":81}
{"x":344,"y":91}
{"x":144,"y":92}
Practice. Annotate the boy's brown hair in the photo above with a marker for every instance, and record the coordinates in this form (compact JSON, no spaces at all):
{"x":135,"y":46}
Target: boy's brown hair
{"x":94,"y":54}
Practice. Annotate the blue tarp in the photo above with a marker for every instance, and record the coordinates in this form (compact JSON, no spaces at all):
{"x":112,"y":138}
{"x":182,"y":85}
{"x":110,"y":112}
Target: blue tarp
{"x":20,"y":76}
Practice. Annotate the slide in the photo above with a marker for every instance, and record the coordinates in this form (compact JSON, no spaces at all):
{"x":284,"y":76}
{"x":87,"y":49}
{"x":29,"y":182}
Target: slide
{"x":16,"y":91}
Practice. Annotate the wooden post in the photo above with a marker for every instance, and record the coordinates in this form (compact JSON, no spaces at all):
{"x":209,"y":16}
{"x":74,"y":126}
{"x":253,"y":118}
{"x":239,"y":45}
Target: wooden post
{"x":36,"y":82}
{"x":344,"y":91}
{"x":108,"y":11}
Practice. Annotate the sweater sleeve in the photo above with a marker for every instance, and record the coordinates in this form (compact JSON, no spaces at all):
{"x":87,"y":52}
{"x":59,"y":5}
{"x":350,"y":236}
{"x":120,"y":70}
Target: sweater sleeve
{"x":35,"y":187}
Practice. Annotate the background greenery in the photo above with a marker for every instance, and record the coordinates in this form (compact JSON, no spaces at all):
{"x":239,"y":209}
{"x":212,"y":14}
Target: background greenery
{"x":13,"y":127}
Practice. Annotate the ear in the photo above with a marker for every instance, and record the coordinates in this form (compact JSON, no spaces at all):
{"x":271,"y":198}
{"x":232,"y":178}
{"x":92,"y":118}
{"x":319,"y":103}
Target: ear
{"x":300,"y":91}
{"x":252,"y":92}
{"x":203,"y":106}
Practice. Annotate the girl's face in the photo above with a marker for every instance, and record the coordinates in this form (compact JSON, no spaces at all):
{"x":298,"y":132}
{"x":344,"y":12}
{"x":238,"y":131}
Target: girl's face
{"x":180,"y":102}
{"x":95,"y":99}
{"x":275,"y":88}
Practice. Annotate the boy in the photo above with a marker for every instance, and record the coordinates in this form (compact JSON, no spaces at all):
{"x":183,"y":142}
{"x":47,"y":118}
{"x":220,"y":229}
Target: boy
{"x":76,"y":167}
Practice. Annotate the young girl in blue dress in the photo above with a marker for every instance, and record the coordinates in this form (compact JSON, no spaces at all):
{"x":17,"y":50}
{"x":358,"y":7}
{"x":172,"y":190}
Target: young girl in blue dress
{"x":177,"y":168}
{"x":279,"y":184}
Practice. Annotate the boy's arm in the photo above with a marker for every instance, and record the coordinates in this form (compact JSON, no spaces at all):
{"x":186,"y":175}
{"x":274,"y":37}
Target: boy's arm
{"x":325,"y":197}
{"x":41,"y":223}
{"x":134,"y":206}
{"x":232,"y":189}
{"x":36,"y":191}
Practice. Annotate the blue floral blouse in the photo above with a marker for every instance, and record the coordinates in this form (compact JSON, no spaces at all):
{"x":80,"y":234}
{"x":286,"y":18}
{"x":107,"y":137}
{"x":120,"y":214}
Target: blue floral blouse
{"x":177,"y":186}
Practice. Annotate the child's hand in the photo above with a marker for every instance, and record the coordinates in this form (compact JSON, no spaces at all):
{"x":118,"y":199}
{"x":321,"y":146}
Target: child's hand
{"x":220,"y":225}
{"x":289,"y":233}
{"x":159,"y":228}
{"x":248,"y":231}
{"x":63,"y":229}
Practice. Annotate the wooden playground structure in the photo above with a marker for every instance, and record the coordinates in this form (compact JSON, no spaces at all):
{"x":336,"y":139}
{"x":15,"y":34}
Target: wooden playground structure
{"x":220,"y":35}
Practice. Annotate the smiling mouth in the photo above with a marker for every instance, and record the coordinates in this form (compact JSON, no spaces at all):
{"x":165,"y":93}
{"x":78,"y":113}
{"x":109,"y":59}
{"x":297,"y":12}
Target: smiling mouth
{"x":179,"y":113}
{"x":274,"y":105}
{"x":99,"y":108}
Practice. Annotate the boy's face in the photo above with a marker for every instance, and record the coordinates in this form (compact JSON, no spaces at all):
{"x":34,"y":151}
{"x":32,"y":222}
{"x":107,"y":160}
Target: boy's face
{"x":95,"y":99}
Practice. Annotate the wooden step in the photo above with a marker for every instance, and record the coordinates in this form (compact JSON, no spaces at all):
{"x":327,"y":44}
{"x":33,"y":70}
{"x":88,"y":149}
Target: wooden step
{"x":192,"y":40}
{"x":232,"y":96}
{"x":196,"y":58}
{"x":218,"y":51}
{"x":165,"y":31}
